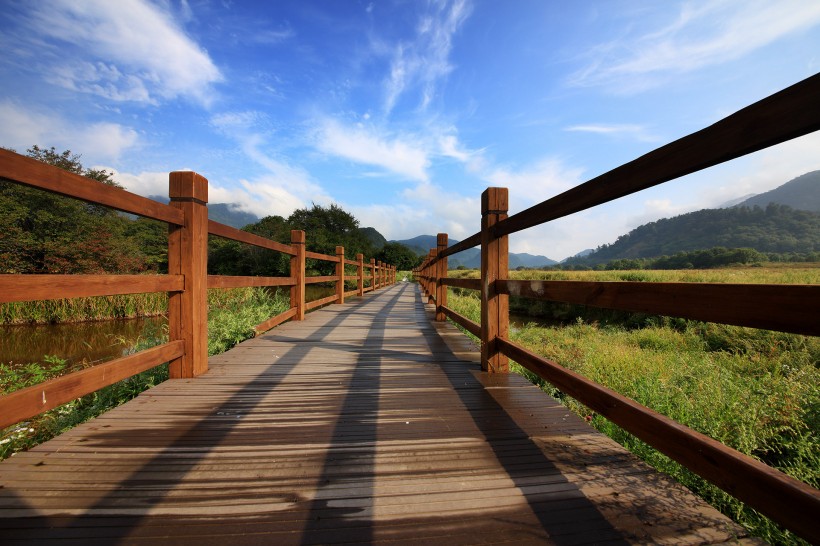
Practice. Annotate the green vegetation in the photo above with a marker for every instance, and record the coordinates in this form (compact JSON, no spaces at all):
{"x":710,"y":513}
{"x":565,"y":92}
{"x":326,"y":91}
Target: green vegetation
{"x":755,"y":390}
{"x":84,"y":309}
{"x":232,"y":315}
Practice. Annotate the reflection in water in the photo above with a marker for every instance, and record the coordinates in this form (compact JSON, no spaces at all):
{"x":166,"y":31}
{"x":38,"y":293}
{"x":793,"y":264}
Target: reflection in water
{"x":90,"y":343}
{"x":78,"y":342}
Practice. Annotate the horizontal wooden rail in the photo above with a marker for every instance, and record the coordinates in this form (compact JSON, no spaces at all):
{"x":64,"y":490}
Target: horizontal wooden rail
{"x":29,"y":171}
{"x":472,"y":327}
{"x":320,"y":302}
{"x":228,"y":232}
{"x":324,"y":278}
{"x":786,"y":308}
{"x":351,"y":277}
{"x":228,"y":281}
{"x":351,"y":293}
{"x":266,"y":325}
{"x":470,"y":284}
{"x":50,"y":287}
{"x":351,"y":262}
{"x":31,"y":401}
{"x":788,"y":114}
{"x":324,"y":257}
{"x":468,"y":243}
{"x":786,"y":500}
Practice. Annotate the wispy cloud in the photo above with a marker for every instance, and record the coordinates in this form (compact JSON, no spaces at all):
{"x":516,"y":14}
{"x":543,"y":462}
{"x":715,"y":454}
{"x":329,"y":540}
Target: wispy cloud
{"x":129,"y":50}
{"x":403,"y":156}
{"x":703,"y":34}
{"x":422,"y":62}
{"x":632,"y":131}
{"x":22,"y":127}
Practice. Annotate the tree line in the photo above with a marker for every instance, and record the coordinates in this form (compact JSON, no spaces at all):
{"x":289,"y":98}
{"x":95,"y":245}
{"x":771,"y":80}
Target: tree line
{"x":41,"y":232}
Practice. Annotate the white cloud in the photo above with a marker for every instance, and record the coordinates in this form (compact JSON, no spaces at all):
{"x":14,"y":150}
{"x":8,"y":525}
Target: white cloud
{"x":422,"y":62}
{"x":534,"y":183}
{"x":22,"y":127}
{"x":132,"y":50}
{"x":703,"y":34}
{"x":633,"y":131}
{"x":405,"y":156}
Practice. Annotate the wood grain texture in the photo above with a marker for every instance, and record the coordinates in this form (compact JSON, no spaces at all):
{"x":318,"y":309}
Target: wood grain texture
{"x":786,"y":500}
{"x":494,"y":265}
{"x":320,"y":302}
{"x":365,"y":423}
{"x":228,"y":281}
{"x":322,"y":257}
{"x":470,"y":242}
{"x":31,"y":172}
{"x":50,"y":287}
{"x":266,"y":325}
{"x":787,"y":114}
{"x":472,"y":327}
{"x":471,"y":284}
{"x":228,"y":232}
{"x":786,"y":308}
{"x":34,"y":400}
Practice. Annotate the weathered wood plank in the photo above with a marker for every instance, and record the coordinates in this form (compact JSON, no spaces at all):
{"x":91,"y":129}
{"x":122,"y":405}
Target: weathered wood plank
{"x":34,"y":400}
{"x":786,"y":308}
{"x":49,"y":287}
{"x":37,"y":174}
{"x":367,"y":422}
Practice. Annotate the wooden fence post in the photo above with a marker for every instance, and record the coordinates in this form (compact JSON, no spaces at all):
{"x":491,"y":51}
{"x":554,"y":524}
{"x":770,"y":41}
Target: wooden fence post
{"x":297,"y":271}
{"x":188,"y":256}
{"x":360,"y":273}
{"x":441,"y":267}
{"x":432,"y":280}
{"x":373,"y":273}
{"x":494,"y":265}
{"x":340,"y":272}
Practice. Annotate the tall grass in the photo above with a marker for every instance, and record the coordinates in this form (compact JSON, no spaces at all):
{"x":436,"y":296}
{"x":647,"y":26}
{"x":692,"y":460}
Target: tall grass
{"x":232,"y":315}
{"x":84,"y":309}
{"x":755,"y":390}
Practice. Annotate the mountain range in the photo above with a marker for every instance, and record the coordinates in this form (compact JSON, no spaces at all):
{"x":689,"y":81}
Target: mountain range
{"x":783,"y":220}
{"x":471,"y":258}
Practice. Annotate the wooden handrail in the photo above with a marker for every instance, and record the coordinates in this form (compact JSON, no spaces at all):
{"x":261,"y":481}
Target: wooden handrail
{"x":30,"y":172}
{"x":50,"y":287}
{"x":788,"y":114}
{"x":186,"y":283}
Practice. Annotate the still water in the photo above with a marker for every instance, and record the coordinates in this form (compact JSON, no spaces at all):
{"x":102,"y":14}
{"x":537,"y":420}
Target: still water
{"x":80,"y":342}
{"x":88,"y":343}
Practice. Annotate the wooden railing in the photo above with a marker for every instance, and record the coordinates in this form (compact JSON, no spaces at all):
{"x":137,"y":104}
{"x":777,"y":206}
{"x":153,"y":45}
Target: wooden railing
{"x":186,"y":283}
{"x":788,"y":114}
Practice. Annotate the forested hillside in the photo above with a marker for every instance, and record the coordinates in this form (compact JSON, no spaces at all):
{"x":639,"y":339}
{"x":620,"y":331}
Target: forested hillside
{"x":775,"y":228}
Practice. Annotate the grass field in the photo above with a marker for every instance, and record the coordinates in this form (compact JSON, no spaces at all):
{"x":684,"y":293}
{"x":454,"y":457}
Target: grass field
{"x":755,"y":390}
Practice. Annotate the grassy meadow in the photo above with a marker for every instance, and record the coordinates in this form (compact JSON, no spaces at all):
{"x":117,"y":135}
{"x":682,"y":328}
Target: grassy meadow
{"x":757,"y":391}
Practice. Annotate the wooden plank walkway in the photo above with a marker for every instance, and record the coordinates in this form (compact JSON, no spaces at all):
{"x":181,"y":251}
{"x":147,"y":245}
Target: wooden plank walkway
{"x":366,"y":423}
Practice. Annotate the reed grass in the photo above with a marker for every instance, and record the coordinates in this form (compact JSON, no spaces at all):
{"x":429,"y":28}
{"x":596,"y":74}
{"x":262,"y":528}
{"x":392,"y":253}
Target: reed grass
{"x":123,"y":306}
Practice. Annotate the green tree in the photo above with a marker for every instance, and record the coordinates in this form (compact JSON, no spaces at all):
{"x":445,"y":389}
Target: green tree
{"x":399,"y":255}
{"x":41,"y":232}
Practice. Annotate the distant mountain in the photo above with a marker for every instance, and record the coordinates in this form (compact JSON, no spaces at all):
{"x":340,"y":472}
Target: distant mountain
{"x":582,"y":254}
{"x":372,"y":235}
{"x":737,"y":201}
{"x":224,"y":213}
{"x":777,"y":228}
{"x":801,"y":193}
{"x":471,"y":258}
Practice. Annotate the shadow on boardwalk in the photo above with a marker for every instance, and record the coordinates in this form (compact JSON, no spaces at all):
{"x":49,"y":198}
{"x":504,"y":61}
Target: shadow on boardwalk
{"x":360,"y":424}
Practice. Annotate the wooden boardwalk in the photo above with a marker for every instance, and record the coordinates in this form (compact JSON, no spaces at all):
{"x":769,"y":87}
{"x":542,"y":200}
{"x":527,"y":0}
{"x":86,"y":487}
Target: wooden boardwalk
{"x":366,"y":423}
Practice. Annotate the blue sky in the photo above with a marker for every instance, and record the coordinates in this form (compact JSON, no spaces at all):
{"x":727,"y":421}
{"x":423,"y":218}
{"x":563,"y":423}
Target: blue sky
{"x":404,"y":111}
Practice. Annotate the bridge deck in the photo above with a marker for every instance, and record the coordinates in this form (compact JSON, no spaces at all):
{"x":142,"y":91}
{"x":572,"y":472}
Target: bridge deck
{"x":364,"y":423}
